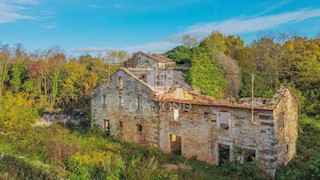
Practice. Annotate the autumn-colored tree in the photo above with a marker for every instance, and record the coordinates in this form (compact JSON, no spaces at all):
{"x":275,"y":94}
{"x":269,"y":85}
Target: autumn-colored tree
{"x":98,"y":66}
{"x":16,"y":111}
{"x":78,"y":82}
{"x":36,"y":73}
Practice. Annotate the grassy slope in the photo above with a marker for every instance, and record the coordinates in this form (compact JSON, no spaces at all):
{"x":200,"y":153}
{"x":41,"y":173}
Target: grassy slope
{"x":55,"y":151}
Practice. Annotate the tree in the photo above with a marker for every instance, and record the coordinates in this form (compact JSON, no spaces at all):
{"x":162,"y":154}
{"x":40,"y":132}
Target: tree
{"x":16,"y":111}
{"x":215,"y":41}
{"x":234,"y":46}
{"x":180,"y":54}
{"x":57,"y":63}
{"x":4,"y":63}
{"x":18,"y":74}
{"x":98,"y":66}
{"x":232,"y":75}
{"x":116,"y":57}
{"x":36,"y":73}
{"x":189,"y":41}
{"x":72,"y":84}
{"x":78,"y":83}
{"x":206,"y":75}
{"x":302,"y":68}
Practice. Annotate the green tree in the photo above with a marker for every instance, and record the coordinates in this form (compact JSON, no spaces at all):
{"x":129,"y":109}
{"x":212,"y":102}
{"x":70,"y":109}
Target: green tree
{"x":302,"y":68}
{"x":206,"y":75}
{"x":4,"y":64}
{"x":216,"y":41}
{"x":56,"y":65}
{"x":18,"y":74}
{"x":180,"y":54}
{"x":234,"y":46}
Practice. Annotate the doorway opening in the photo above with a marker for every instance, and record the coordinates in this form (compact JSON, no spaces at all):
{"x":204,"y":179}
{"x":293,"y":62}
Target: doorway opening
{"x":175,"y":144}
{"x":107,"y":126}
{"x":224,"y":153}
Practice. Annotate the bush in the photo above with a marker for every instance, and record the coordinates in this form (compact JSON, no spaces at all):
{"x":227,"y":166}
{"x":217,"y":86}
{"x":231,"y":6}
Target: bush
{"x":19,"y":167}
{"x":16,"y":111}
{"x":306,"y":164}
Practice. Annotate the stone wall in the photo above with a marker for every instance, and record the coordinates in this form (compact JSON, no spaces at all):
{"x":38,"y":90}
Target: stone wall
{"x":76,"y":117}
{"x":201,"y":135}
{"x":141,"y":61}
{"x":271,"y":136}
{"x":129,"y":114}
{"x":286,"y":126}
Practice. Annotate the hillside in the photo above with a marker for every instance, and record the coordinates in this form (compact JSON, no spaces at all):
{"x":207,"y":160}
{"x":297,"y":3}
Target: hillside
{"x":220,"y":66}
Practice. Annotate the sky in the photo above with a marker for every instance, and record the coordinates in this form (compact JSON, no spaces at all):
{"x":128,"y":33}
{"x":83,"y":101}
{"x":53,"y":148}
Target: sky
{"x":153,"y":26}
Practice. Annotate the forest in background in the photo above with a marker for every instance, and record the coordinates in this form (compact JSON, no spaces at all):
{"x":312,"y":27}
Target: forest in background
{"x":220,"y":66}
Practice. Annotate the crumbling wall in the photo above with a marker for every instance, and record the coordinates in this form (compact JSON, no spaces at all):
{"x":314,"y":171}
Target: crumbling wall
{"x":201,"y":135}
{"x":271,"y":136}
{"x":129,"y":114}
{"x":141,"y":61}
{"x":286,"y":126}
{"x":196,"y":132}
{"x":76,"y":117}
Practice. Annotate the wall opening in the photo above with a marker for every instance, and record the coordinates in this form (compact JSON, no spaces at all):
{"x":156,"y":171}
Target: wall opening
{"x":121,"y":83}
{"x":139,"y":128}
{"x":121,"y":101}
{"x":175,"y":114}
{"x":175,"y":144}
{"x":280,"y":120}
{"x":104,"y":100}
{"x":107,"y":126}
{"x":224,"y":153}
{"x":224,"y":120}
{"x":139,"y":103}
{"x":121,"y":124}
{"x":206,"y":115}
{"x":250,"y":155}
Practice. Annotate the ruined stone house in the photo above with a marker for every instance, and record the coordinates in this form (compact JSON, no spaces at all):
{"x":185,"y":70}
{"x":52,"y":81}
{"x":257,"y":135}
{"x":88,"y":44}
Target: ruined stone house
{"x":168,"y":116}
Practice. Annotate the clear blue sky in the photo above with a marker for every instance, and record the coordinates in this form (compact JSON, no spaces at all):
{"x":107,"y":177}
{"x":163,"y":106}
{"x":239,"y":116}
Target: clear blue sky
{"x":148,"y":25}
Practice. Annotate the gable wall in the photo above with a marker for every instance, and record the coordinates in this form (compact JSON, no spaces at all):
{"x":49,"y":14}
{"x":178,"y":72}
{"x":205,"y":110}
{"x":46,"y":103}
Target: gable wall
{"x":287,"y":131}
{"x":142,"y":61}
{"x":128,"y":114}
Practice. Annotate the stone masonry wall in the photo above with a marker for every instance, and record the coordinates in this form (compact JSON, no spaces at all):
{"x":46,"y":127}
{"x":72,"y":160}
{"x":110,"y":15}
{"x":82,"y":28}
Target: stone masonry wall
{"x":272,"y":136}
{"x":286,"y":128}
{"x":130,"y":116}
{"x":201,"y":136}
{"x":141,"y":61}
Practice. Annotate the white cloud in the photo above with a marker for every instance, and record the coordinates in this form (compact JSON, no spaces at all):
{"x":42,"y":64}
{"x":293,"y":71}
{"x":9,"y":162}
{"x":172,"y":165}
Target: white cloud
{"x":152,"y":47}
{"x":10,"y":10}
{"x":52,"y":25}
{"x":249,"y":25}
{"x":229,"y":26}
